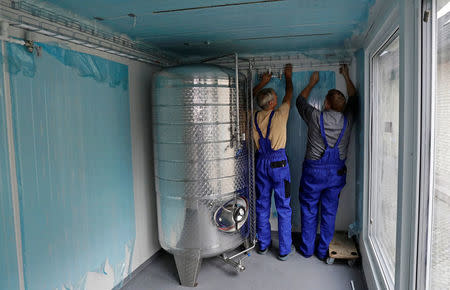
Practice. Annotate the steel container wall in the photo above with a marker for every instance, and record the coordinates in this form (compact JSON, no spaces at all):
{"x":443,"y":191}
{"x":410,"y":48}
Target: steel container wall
{"x":201,"y":159}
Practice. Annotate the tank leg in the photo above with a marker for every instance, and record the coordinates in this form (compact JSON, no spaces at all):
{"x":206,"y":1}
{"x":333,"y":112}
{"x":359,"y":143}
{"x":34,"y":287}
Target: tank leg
{"x":246,"y":243}
{"x":188,"y":266}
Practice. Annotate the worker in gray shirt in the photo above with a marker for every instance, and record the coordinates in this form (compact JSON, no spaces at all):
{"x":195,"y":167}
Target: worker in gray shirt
{"x":324,"y":171}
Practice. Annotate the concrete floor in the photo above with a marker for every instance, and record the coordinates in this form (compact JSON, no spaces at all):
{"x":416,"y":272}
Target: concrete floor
{"x":262,"y":272}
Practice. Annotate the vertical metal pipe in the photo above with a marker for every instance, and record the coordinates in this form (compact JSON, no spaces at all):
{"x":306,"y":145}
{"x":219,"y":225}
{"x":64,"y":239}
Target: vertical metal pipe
{"x":12,"y":166}
{"x":251,"y":154}
{"x":249,"y":140}
{"x":237,"y":99}
{"x":238,"y":131}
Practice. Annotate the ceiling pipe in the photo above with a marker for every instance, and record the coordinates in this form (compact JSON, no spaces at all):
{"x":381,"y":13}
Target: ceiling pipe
{"x":28,"y":16}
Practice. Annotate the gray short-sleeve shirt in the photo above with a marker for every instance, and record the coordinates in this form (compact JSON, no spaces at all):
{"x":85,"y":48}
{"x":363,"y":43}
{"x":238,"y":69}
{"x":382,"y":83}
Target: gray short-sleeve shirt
{"x":333,"y":123}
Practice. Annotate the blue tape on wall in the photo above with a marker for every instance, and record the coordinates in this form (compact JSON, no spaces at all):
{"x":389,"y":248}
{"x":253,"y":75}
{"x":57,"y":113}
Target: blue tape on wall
{"x":9,"y":278}
{"x":297,"y":129}
{"x":73,"y":145}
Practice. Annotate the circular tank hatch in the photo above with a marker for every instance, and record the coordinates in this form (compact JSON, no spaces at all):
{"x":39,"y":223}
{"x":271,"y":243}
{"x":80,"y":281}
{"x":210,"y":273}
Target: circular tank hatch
{"x":232,"y":215}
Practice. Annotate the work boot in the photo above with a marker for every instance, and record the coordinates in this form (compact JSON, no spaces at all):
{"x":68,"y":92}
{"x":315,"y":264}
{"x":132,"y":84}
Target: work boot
{"x":321,"y":258}
{"x":285,"y":257}
{"x":261,"y":251}
{"x":303,"y":254}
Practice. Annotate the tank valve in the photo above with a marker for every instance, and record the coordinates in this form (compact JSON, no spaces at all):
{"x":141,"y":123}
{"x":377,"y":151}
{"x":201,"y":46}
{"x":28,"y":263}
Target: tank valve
{"x":240,"y":267}
{"x":236,"y":265}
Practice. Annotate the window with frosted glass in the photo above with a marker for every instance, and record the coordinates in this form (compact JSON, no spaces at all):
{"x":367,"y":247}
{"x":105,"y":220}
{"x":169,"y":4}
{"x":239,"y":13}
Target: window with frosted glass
{"x":384,"y":155}
{"x":440,"y":245}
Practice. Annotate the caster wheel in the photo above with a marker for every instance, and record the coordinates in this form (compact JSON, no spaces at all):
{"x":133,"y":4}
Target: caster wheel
{"x":330,"y":261}
{"x":351,"y":263}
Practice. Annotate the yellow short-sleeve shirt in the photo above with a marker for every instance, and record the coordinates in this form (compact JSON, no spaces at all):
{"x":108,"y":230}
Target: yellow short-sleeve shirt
{"x":277,"y":128}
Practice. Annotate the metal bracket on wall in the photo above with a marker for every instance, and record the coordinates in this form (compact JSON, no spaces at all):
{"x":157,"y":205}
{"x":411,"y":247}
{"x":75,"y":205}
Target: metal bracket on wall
{"x":37,"y":19}
{"x":300,"y":61}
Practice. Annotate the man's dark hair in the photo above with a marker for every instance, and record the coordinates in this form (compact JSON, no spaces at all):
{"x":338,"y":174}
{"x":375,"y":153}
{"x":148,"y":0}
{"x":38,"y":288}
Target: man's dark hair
{"x":336,"y":100}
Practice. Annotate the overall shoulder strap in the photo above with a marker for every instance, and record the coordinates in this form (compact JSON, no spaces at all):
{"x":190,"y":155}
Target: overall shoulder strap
{"x":270,"y":122}
{"x":342,"y":132}
{"x":322,"y":130}
{"x":256,"y":125}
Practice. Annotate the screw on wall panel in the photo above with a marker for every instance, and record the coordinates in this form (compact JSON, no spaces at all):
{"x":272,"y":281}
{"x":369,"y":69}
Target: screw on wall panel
{"x":426,"y":15}
{"x":132,"y":15}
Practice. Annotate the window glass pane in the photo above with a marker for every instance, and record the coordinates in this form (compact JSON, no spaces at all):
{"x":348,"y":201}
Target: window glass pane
{"x":440,"y":259}
{"x":385,"y":135}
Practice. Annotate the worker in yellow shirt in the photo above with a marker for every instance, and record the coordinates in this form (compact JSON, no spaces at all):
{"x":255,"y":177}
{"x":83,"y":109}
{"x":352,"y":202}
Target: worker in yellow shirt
{"x":272,"y":168}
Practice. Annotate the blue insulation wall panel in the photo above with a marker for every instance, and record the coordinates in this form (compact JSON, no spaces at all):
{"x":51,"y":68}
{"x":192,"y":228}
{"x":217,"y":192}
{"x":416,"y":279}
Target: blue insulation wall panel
{"x":73,"y":154}
{"x":9,"y":278}
{"x":297,"y":130}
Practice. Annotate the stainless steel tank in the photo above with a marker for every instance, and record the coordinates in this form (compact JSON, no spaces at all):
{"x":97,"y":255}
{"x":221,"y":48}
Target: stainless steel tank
{"x":201,"y":163}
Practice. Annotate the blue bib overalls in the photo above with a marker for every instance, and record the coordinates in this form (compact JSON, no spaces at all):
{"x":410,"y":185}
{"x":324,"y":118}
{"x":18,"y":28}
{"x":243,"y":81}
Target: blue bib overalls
{"x":272,"y":173}
{"x":322,"y":180}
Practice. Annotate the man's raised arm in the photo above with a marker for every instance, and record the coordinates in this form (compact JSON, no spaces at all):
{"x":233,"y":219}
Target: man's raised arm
{"x":351,"y":90}
{"x":289,"y":87}
{"x":264,"y":81}
{"x":313,"y":80}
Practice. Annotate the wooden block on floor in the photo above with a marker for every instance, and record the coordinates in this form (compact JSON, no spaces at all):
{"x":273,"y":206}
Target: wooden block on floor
{"x":341,"y":247}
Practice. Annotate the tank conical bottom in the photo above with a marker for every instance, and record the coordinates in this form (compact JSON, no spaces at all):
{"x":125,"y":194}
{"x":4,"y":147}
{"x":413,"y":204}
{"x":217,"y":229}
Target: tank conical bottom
{"x":188,"y":266}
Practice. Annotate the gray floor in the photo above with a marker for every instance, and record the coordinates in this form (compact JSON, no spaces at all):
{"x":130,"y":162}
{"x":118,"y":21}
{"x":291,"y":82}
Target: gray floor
{"x":262,"y":272}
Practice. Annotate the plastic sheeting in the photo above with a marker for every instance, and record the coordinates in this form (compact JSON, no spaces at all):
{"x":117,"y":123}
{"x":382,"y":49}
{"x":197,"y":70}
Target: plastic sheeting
{"x":100,"y":69}
{"x":73,"y":152}
{"x":9,"y":278}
